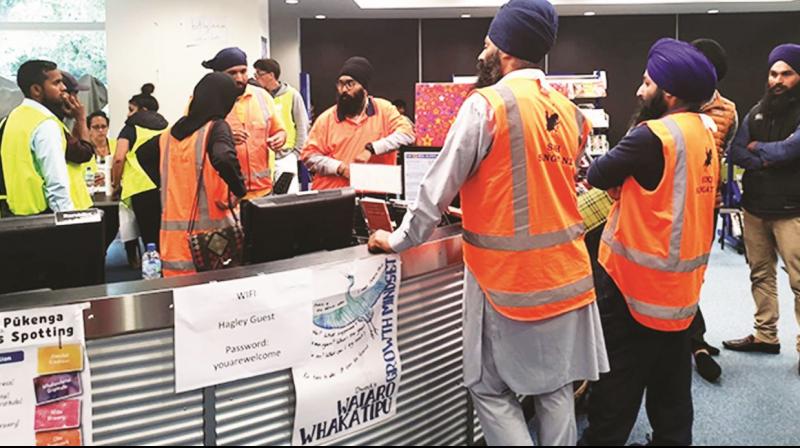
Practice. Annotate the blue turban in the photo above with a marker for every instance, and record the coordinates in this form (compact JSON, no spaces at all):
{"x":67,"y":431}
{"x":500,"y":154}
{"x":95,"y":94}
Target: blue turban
{"x":681,"y":70}
{"x":788,"y":53}
{"x":225,"y":59}
{"x":525,"y":29}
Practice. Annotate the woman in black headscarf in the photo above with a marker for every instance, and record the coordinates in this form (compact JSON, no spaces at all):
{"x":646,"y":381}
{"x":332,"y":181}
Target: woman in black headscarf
{"x":213,"y":99}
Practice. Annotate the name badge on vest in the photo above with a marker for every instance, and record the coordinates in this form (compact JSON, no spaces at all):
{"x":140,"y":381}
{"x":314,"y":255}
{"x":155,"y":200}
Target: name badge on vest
{"x":79,"y":217}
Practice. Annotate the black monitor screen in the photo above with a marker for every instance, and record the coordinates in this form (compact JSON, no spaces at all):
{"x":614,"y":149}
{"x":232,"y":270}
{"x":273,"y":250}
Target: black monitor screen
{"x":38,"y":254}
{"x":281,"y":227}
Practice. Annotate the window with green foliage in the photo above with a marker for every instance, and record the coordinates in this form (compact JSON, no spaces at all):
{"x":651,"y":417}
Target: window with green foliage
{"x":70,"y":33}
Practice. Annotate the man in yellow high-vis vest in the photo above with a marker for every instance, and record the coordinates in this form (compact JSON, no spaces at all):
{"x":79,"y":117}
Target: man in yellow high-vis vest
{"x":33,"y":144}
{"x":292,"y":111}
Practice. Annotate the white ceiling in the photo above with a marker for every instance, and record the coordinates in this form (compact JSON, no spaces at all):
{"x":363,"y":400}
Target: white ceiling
{"x":486,"y":8}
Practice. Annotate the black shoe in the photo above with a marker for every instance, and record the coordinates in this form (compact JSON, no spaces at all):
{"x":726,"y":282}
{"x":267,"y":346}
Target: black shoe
{"x":707,"y":367}
{"x":750,"y":344}
{"x":713,"y":351}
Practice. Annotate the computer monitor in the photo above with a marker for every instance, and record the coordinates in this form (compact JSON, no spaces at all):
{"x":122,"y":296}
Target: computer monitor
{"x":281,"y":227}
{"x":37,"y":253}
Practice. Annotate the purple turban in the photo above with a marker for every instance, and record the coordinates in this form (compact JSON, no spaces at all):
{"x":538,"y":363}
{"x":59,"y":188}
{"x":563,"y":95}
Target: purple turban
{"x":681,"y":70}
{"x":788,"y":53}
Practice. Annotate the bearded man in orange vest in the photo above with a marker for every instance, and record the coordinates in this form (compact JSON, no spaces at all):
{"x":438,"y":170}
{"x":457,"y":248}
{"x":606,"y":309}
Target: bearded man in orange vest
{"x":257,"y":128}
{"x":655,"y":249}
{"x":531,"y":324}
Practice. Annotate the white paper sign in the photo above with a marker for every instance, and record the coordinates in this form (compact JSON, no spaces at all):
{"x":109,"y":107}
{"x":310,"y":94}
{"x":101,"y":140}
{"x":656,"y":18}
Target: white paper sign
{"x":45,"y":382}
{"x":416,"y":165}
{"x":240,"y":329}
{"x":376,"y":178}
{"x":351,"y":380}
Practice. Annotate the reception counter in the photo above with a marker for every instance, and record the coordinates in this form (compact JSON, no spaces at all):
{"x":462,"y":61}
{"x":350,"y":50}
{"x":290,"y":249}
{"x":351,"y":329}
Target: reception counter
{"x":129,"y":329}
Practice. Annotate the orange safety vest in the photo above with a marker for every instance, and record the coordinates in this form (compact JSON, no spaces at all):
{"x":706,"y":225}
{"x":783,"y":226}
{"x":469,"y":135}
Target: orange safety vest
{"x":656,"y":244}
{"x":252,"y":114}
{"x":523,"y":234}
{"x":181,"y":162}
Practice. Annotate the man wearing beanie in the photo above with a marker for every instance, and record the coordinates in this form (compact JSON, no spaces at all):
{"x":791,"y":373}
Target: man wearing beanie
{"x":531,"y":324}
{"x":358,"y":129}
{"x":768,"y":147}
{"x":655,"y":249}
{"x":723,"y":112}
{"x":257,"y":128}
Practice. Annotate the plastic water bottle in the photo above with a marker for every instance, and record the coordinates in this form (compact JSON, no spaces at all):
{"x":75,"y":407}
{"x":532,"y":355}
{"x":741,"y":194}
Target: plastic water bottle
{"x":151,"y":263}
{"x":88,"y":176}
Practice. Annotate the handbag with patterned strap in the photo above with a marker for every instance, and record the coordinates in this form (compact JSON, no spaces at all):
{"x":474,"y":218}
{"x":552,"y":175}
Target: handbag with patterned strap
{"x":217,"y":248}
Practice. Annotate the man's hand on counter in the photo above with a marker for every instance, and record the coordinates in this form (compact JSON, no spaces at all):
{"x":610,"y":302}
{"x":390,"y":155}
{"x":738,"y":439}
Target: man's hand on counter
{"x":363,"y":156}
{"x":379,"y":243}
{"x":343,"y":171}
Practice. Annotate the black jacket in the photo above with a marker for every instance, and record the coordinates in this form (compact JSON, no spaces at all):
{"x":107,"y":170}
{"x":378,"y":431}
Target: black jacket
{"x":772,"y":193}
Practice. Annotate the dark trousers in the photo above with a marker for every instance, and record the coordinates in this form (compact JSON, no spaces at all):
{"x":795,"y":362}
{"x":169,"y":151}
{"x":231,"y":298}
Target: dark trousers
{"x":643,"y":361}
{"x":147,"y":207}
{"x":697,"y":333}
{"x":697,"y":330}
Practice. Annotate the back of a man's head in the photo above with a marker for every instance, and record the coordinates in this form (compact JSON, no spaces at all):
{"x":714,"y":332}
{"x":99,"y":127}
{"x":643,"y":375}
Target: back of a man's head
{"x":33,"y":73}
{"x":269,"y":66}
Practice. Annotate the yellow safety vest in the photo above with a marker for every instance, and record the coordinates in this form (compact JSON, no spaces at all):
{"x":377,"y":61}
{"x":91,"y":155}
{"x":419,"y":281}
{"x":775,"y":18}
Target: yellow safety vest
{"x":112,"y":149}
{"x":24,"y":183}
{"x":134,"y":178}
{"x":284,"y":105}
{"x":78,"y":190}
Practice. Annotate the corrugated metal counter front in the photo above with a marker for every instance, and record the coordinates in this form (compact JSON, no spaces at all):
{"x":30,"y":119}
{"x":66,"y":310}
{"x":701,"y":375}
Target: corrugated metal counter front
{"x":130,"y":345}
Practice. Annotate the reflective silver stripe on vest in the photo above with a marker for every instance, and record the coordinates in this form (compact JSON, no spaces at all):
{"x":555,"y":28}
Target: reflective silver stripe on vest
{"x":522,"y":239}
{"x":519,"y":162}
{"x":581,"y":119}
{"x":203,"y":222}
{"x":519,"y":243}
{"x":178,"y":265}
{"x":673,"y":262}
{"x":266,"y":174}
{"x":262,"y":104}
{"x":164,"y":174}
{"x":539,"y":298}
{"x":660,"y":311}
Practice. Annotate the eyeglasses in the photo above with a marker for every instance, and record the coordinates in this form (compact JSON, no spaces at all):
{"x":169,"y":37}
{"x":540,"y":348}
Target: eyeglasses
{"x":347,"y":85}
{"x":99,"y":127}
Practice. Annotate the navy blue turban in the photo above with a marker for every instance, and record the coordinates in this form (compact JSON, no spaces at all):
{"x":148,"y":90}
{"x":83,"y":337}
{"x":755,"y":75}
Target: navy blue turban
{"x":525,"y":29}
{"x":225,"y":59}
{"x":681,"y":70}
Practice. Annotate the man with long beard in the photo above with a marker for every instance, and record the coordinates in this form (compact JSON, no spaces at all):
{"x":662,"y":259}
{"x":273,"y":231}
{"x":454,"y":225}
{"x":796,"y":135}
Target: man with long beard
{"x":767,"y":146}
{"x":33,"y":171}
{"x":655,"y":249}
{"x":256,"y":126}
{"x":358,"y":129}
{"x":531,"y":324}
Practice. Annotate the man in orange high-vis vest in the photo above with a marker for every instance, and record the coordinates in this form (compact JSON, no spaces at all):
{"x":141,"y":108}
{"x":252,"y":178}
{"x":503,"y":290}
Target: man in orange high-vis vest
{"x":360,"y":128}
{"x":531,"y":324}
{"x":655,"y":249}
{"x":257,"y":128}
